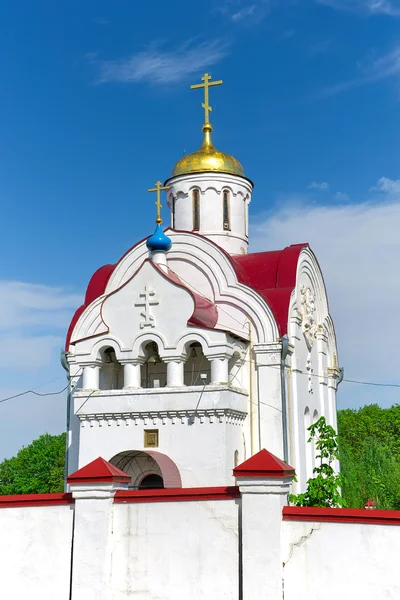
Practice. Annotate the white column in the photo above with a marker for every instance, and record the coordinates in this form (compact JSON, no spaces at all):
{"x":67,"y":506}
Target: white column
{"x":175,"y":373}
{"x":219,"y":369}
{"x":90,"y":378}
{"x":132,"y":376}
{"x":262,"y":501}
{"x":93,"y":543}
{"x":269,"y":400}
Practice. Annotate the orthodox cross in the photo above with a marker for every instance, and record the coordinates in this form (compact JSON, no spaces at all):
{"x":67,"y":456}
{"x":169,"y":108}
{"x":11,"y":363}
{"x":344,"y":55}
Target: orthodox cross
{"x":207,"y":83}
{"x":147,"y":302}
{"x":159,"y":187}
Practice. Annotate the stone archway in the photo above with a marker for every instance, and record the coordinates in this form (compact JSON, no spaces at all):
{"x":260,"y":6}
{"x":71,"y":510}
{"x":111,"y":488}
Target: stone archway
{"x":140,"y":465}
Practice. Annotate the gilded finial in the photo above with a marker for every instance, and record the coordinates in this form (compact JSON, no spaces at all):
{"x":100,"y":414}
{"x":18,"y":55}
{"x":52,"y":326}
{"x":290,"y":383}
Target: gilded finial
{"x":207,"y":83}
{"x":158,"y":188}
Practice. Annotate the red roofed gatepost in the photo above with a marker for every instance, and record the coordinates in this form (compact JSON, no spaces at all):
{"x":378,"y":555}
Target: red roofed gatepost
{"x":93,"y":487}
{"x":264,"y":482}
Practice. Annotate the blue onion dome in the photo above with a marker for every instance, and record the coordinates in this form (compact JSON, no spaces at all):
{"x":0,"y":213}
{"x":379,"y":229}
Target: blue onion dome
{"x":159,"y":242}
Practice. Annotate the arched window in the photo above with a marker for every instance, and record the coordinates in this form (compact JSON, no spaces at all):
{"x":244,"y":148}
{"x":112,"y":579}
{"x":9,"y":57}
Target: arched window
{"x":226,"y":211}
{"x":172,"y":204}
{"x":196,"y":210}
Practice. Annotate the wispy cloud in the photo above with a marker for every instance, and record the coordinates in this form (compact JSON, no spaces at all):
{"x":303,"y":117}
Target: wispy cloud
{"x":342,"y":197}
{"x":244,"y":11}
{"x":387,"y":186}
{"x":321,"y":186}
{"x":369,"y":7}
{"x":161,"y":66}
{"x":33,"y":322}
{"x":386,"y":66}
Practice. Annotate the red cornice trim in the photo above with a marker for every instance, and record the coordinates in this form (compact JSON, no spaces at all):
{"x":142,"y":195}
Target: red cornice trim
{"x":341,"y":515}
{"x":100,"y":479}
{"x":275,"y":474}
{"x":36,"y":500}
{"x":177,"y":495}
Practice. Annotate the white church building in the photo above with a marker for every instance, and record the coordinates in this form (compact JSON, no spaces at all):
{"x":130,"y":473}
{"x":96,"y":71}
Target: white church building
{"x":195,"y":369}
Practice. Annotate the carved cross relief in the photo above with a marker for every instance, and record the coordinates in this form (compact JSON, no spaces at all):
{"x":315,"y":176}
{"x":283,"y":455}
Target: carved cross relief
{"x":148,"y":301}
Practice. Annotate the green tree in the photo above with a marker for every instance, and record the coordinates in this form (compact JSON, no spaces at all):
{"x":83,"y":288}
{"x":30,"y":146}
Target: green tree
{"x":36,"y":469}
{"x":324,"y":488}
{"x":369,"y":443}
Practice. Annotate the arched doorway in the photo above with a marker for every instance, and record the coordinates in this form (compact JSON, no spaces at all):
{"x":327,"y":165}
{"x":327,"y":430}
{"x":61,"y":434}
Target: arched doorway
{"x":151,"y":482}
{"x":148,"y":470}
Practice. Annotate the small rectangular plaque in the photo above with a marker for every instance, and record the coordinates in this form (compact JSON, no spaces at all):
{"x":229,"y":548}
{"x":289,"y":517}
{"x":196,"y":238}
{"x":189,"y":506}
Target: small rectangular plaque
{"x":151,"y":438}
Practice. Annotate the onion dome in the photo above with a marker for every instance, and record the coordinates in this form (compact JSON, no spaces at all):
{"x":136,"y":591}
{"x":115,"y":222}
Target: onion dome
{"x":208,"y":159}
{"x":159,"y":242}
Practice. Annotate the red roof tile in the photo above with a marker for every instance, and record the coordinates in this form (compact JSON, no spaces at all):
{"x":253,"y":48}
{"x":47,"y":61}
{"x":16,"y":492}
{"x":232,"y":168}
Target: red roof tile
{"x":263,"y":464}
{"x":98,"y":471}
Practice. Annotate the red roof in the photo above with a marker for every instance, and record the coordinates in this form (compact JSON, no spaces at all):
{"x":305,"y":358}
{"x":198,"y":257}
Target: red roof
{"x":264,"y":464}
{"x":98,"y":471}
{"x":273,"y":276}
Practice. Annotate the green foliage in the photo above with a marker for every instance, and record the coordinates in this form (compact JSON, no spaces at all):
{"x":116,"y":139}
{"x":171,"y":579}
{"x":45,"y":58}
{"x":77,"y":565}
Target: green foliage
{"x":37,"y":469}
{"x":369,"y":442}
{"x":324,"y":488}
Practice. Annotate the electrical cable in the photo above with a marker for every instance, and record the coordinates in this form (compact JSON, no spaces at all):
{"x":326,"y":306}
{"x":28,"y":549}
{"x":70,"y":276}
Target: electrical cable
{"x":39,"y":386}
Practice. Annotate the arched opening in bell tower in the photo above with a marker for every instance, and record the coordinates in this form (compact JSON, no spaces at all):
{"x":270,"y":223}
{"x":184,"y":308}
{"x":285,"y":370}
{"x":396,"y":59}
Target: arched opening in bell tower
{"x":197,"y":370}
{"x":154,"y":370}
{"x":111,"y":375}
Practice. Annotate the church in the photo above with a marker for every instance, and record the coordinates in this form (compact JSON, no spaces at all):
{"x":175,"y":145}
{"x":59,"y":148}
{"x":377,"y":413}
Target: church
{"x":195,"y":368}
{"x":191,"y":354}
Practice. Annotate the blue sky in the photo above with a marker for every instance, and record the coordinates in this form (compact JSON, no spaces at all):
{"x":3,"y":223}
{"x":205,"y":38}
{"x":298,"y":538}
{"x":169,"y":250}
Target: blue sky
{"x":95,"y":107}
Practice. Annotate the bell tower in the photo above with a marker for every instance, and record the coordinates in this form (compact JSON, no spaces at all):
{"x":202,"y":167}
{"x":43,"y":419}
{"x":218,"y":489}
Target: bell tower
{"x":208,"y":191}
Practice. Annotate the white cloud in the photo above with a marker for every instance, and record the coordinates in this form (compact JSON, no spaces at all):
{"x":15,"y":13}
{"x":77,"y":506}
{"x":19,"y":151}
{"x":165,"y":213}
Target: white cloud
{"x":243,"y":13}
{"x":342,"y":197}
{"x":386,"y":66}
{"x":358,"y":247}
{"x":32,"y":317}
{"x":388,"y":186}
{"x":33,"y":323}
{"x":369,"y":7}
{"x":23,"y":304}
{"x":155,"y":65}
{"x":26,"y":353}
{"x":322,"y":186}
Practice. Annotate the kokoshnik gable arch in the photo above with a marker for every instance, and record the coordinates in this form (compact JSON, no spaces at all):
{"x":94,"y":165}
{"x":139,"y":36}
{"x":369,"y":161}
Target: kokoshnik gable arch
{"x":194,"y":348}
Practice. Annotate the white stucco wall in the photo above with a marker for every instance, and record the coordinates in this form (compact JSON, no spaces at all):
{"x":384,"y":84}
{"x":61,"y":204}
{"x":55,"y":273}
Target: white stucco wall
{"x":176,"y":550}
{"x":202,"y":443}
{"x":327,"y":561}
{"x":35,"y":552}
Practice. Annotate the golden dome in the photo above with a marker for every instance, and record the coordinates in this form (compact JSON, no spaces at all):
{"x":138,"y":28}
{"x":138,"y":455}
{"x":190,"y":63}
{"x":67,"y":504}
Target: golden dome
{"x":208,"y":158}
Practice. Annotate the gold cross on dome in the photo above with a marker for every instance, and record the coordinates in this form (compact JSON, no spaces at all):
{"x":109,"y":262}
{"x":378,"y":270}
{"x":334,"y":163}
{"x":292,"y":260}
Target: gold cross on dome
{"x":207,"y":83}
{"x":159,"y":188}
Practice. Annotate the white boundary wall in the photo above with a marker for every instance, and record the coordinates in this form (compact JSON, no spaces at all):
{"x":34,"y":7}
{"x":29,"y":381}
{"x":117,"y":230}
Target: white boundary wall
{"x":194,"y":545}
{"x":35,"y":552}
{"x":331,"y":561}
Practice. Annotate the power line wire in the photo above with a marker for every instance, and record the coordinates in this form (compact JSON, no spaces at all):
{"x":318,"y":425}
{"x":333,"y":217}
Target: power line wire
{"x":35,"y":393}
{"x":41,"y":385}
